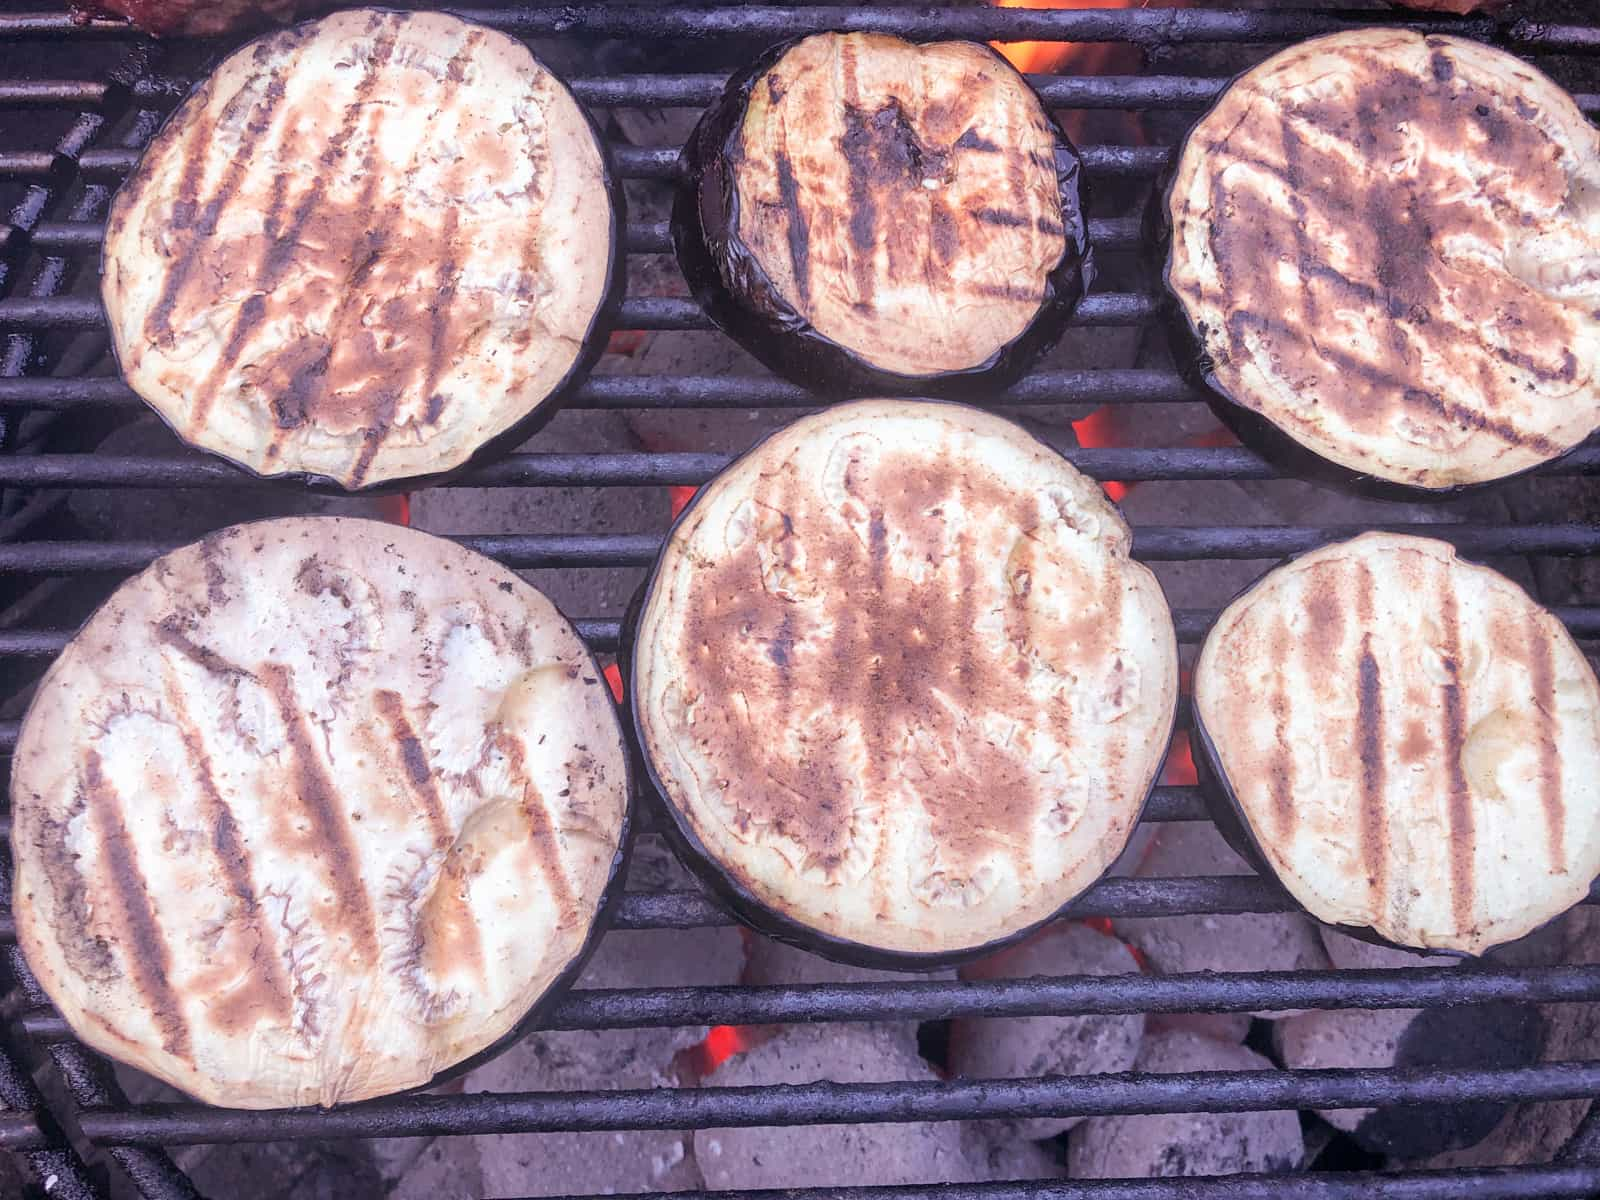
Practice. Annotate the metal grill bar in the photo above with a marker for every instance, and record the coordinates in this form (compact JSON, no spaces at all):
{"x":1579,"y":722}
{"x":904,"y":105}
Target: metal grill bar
{"x":647,"y":1008}
{"x":1148,"y":27}
{"x":692,"y":391}
{"x":1150,"y":542}
{"x":627,"y":469}
{"x":1491,"y":1183}
{"x":827,"y":1104}
{"x":1133,"y":92}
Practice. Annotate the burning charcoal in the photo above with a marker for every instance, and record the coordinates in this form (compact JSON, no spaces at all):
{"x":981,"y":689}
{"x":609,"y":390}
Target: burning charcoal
{"x":583,"y":1163}
{"x":1476,"y":1035}
{"x":1030,"y":1047}
{"x":1221,"y":1027}
{"x":833,"y":1155}
{"x":1187,"y":1143}
{"x":1241,"y":942}
{"x":1002,"y":1155}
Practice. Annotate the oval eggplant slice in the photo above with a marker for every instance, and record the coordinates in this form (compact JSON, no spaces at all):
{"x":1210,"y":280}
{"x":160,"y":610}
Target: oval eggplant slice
{"x":1385,"y":249}
{"x":1412,"y":744}
{"x":861,"y":212}
{"x":899,"y":683}
{"x":314,"y":810}
{"x":366,"y":249}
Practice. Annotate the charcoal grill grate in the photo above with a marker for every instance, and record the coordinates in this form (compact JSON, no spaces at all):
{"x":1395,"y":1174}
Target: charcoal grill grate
{"x":50,"y":243}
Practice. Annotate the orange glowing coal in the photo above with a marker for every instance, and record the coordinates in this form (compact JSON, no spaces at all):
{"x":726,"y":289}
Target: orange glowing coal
{"x":1083,"y":58}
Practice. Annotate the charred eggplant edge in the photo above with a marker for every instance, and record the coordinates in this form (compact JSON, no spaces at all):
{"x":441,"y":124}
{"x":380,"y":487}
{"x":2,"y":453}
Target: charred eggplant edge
{"x":605,"y":906}
{"x":601,"y":325}
{"x":1254,"y":430}
{"x":753,"y":313}
{"x":1222,"y":802}
{"x":737,"y":896}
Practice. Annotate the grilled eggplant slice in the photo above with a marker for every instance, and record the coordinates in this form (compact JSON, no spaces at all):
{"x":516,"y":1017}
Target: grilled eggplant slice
{"x":1385,"y":250}
{"x":866,"y":213}
{"x":899,"y":683}
{"x":365,"y":250}
{"x":1412,"y":744}
{"x":315,"y":810}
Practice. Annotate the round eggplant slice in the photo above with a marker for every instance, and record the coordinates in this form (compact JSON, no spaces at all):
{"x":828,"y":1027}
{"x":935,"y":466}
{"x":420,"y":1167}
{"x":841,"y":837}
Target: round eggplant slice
{"x":364,"y":250}
{"x":899,"y":683}
{"x":315,"y":810}
{"x":1411,"y":743}
{"x":1385,"y":249}
{"x":860,"y":211}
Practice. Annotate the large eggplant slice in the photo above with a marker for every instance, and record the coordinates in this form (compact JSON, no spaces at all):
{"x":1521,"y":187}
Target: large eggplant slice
{"x":365,"y":250}
{"x":1385,"y":250}
{"x":315,"y":810}
{"x":1411,"y":743}
{"x":899,"y":683}
{"x":861,"y":212}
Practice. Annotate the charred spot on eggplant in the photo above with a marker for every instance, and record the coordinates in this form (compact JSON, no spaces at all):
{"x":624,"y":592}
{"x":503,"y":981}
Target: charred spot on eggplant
{"x":366,"y":250}
{"x":1384,"y":253}
{"x":1411,"y":744}
{"x":315,"y":810}
{"x":899,"y":683}
{"x":862,"y":212}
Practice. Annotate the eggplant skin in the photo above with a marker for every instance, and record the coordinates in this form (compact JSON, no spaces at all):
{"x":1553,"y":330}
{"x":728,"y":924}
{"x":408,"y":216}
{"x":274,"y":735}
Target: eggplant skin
{"x":889,"y":237}
{"x":1412,"y":300}
{"x":316,"y":810}
{"x":316,"y":286}
{"x":899,"y":684}
{"x":1422,"y":774}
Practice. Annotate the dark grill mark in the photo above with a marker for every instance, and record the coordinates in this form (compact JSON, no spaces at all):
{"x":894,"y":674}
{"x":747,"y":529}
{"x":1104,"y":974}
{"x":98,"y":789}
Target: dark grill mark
{"x":1000,"y":216}
{"x":863,"y":223}
{"x":158,"y":323}
{"x":281,"y":249}
{"x":439,"y":313}
{"x":1282,"y":773}
{"x":546,"y":842}
{"x":1541,"y":662}
{"x":170,"y":633}
{"x":148,"y":959}
{"x":1374,"y":811}
{"x":1463,"y":840}
{"x":795,"y":219}
{"x":319,"y":800}
{"x":268,"y":983}
{"x":973,"y":140}
{"x":414,"y":758}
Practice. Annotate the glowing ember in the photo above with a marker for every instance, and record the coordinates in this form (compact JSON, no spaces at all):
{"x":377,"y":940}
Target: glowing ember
{"x":613,"y":674}
{"x":721,"y":1044}
{"x":1099,"y":429}
{"x":396,"y":509}
{"x":681,"y":496}
{"x":1179,"y":769}
{"x":1086,"y":58}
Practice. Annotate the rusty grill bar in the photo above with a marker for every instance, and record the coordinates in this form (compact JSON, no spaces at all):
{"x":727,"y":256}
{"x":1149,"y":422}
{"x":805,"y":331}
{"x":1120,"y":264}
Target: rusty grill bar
{"x":49,"y":240}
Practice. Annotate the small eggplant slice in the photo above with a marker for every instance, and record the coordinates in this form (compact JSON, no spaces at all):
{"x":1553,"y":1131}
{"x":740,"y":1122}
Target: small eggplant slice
{"x":1410,"y":742}
{"x":862,"y":212}
{"x":899,"y":683}
{"x":365,"y":250}
{"x":1385,"y":250}
{"x":315,"y":810}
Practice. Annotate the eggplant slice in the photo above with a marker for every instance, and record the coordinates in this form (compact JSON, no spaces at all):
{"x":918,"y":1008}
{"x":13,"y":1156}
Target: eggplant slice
{"x":1386,"y":248}
{"x":365,"y":249}
{"x":899,"y":683}
{"x":1412,"y":744}
{"x":314,"y":810}
{"x":863,"y":212}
